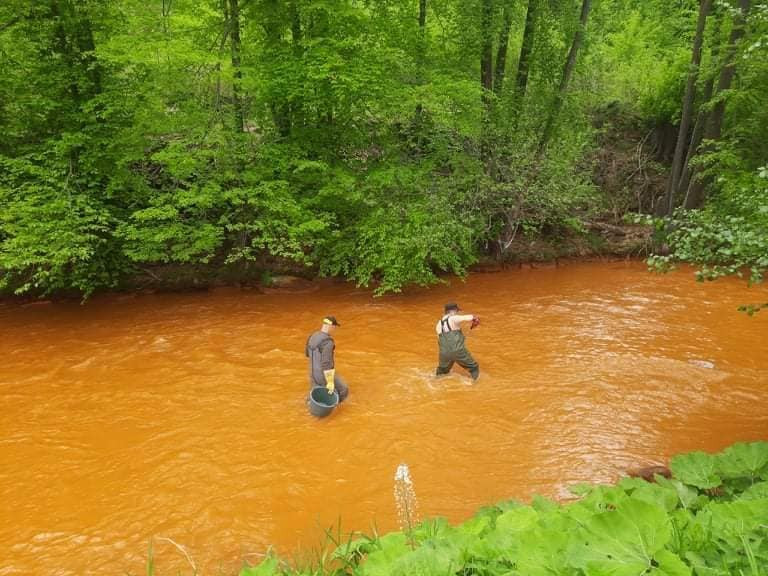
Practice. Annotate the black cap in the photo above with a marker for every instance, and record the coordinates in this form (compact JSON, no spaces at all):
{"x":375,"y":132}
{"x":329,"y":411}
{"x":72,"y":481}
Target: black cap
{"x":451,"y":306}
{"x":331,"y":320}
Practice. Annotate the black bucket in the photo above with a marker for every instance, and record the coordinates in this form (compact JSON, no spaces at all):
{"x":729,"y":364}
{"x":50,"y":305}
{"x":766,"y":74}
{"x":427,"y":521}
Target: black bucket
{"x":322,"y":402}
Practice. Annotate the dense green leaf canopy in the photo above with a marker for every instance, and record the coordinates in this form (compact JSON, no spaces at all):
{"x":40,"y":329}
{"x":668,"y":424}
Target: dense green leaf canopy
{"x":386,"y":142}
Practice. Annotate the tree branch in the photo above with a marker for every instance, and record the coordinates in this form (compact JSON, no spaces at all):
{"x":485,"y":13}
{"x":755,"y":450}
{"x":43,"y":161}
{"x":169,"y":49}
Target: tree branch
{"x":11,"y":22}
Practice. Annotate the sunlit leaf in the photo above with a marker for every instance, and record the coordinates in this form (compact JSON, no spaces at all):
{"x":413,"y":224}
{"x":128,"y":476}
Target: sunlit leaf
{"x":697,"y":469}
{"x":624,"y":541}
{"x":742,"y":459}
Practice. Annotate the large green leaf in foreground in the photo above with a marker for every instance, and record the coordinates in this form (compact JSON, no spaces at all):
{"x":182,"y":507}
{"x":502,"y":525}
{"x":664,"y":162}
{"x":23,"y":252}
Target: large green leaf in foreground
{"x":696,"y":469}
{"x":745,"y":459}
{"x":628,"y":541}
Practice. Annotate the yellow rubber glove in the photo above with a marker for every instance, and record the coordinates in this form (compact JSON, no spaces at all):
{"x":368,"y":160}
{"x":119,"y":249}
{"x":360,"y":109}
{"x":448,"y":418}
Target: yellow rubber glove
{"x":329,"y":377}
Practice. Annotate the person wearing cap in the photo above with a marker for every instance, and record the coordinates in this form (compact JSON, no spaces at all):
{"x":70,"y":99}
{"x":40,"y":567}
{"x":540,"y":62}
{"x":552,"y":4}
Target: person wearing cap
{"x":322,"y":367}
{"x":450,"y":339}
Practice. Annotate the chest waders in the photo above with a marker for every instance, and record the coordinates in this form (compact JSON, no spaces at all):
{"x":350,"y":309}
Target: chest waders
{"x":453,"y":348}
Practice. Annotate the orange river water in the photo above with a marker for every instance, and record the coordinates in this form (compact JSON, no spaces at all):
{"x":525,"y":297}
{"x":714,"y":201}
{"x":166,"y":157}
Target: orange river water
{"x":181,"y":418}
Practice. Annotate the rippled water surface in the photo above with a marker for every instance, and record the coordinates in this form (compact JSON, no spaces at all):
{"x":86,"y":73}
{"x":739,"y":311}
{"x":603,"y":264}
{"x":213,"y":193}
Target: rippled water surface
{"x":182,"y":417}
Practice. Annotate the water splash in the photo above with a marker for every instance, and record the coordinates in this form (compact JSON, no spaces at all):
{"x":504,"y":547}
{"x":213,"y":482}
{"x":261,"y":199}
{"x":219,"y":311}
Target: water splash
{"x":405,"y":499}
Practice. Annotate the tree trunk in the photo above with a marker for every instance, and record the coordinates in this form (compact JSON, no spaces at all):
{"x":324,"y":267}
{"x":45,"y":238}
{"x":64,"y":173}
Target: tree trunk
{"x":715,"y":125}
{"x":501,"y":51}
{"x":570,"y":65}
{"x":296,"y":34}
{"x":73,"y":40}
{"x":486,"y":75}
{"x":421,"y":57}
{"x":524,"y":62}
{"x":701,"y":117}
{"x":86,"y":47}
{"x":279,"y":107}
{"x":77,"y":43}
{"x":293,"y":110}
{"x":693,"y":146}
{"x":697,"y":186}
{"x":668,"y":205}
{"x":486,"y":54}
{"x":234,"y":33}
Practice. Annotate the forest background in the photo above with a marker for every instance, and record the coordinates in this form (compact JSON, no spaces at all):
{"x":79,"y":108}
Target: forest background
{"x":388,"y":142}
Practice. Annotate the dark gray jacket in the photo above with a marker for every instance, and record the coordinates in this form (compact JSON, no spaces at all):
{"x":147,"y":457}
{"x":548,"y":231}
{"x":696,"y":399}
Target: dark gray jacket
{"x":319,"y":350}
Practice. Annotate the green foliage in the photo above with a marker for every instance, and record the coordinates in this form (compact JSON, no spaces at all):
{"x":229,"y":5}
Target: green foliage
{"x":742,"y":460}
{"x":737,"y":467}
{"x":270,"y":566}
{"x":628,"y":540}
{"x":55,"y":237}
{"x":359,"y":157}
{"x":643,"y":59}
{"x":696,"y":469}
{"x":395,"y":242}
{"x":340,"y":136}
{"x":729,"y":236}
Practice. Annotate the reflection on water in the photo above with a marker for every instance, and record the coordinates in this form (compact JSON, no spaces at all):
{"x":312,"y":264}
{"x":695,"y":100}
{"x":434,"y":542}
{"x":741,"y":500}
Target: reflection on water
{"x":182,"y":417}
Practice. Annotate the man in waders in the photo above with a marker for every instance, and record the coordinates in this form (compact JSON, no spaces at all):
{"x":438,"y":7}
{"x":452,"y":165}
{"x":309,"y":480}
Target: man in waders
{"x":322,"y":368}
{"x":451,"y":341}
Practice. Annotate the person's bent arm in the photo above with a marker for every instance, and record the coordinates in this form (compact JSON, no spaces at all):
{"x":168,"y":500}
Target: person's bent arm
{"x":457,"y":319}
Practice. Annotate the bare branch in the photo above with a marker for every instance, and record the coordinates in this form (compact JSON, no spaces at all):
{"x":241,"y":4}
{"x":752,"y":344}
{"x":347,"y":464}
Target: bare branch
{"x":183,"y":551}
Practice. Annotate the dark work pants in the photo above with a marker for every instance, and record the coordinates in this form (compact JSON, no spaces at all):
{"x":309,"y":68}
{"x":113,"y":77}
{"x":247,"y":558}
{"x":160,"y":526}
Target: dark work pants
{"x":454,"y":350}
